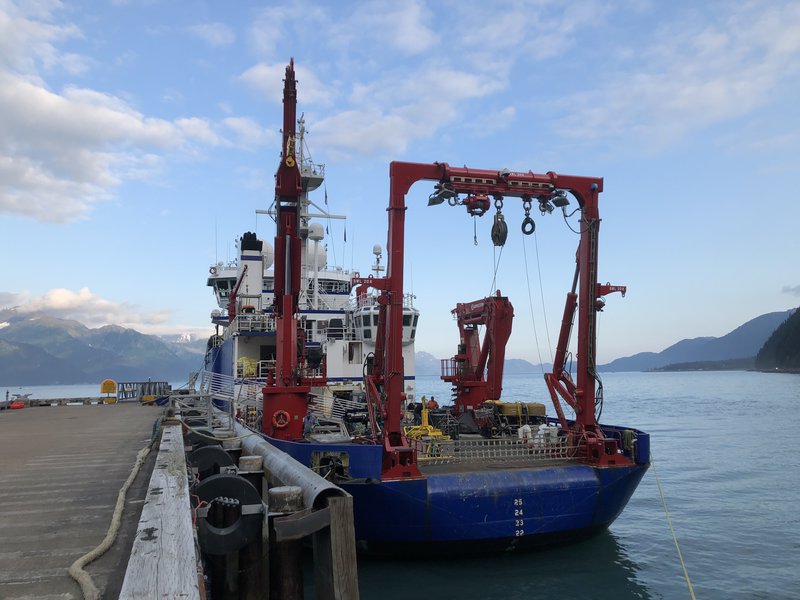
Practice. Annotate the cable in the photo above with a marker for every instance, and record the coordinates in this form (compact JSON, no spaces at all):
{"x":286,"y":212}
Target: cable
{"x":672,"y":529}
{"x":541,"y":295}
{"x":530,"y":304}
{"x":496,"y":267}
{"x":88,"y":588}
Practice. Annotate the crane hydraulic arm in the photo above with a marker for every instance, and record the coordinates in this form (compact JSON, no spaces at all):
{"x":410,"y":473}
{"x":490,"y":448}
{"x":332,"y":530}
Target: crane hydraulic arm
{"x":476,"y":371}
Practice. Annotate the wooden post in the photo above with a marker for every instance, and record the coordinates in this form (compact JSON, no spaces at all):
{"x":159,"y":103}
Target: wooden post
{"x":335,"y":568}
{"x":286,"y":557}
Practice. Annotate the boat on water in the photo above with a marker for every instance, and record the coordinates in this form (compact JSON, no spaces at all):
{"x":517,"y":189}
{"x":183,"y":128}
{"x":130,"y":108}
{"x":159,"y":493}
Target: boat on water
{"x":320,"y":361}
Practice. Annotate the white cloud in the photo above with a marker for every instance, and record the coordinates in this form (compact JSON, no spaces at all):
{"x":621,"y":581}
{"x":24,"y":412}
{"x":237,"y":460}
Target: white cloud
{"x":247,"y":132}
{"x":391,"y":113}
{"x":267,"y":80}
{"x":61,"y":152}
{"x":692,"y":75}
{"x":94,"y":311}
{"x":401,"y":26}
{"x":27,"y":38}
{"x":85,"y":306}
{"x":214,"y":34}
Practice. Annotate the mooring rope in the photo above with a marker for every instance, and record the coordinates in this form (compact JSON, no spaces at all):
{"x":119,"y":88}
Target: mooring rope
{"x":89,"y":589}
{"x":672,"y":529}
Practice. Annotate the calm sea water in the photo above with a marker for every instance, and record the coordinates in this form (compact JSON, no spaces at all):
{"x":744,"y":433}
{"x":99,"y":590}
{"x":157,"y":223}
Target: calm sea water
{"x":723,"y":447}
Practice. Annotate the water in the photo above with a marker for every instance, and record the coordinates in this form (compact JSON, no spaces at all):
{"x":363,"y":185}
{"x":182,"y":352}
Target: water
{"x":87,"y":390}
{"x":723,"y":447}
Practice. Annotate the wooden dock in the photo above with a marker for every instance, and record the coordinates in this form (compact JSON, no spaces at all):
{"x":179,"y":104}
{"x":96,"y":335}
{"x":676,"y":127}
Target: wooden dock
{"x":61,"y":468}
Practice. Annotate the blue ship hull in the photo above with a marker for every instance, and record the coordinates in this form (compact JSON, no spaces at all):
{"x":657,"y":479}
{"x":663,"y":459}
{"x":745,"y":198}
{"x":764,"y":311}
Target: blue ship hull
{"x":478,"y":509}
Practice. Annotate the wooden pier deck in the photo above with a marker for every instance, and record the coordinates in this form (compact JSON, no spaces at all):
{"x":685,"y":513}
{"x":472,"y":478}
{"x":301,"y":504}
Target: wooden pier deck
{"x":61,"y":468}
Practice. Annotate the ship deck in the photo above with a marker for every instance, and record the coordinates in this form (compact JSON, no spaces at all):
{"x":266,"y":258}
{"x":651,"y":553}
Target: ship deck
{"x":61,"y":470}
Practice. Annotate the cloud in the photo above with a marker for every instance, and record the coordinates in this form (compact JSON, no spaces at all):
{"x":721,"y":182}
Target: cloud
{"x":93,"y":311}
{"x":691,"y":75}
{"x":391,"y":113}
{"x":214,"y":34}
{"x":267,"y":79}
{"x":84,"y":306}
{"x":247,"y":132}
{"x":793,"y":290}
{"x":27,"y":39}
{"x":397,"y":26}
{"x":62,"y":152}
{"x":273,"y":26}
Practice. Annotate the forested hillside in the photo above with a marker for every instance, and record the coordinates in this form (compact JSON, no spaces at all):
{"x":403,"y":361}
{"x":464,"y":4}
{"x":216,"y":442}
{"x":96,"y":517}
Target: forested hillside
{"x":782,"y":350}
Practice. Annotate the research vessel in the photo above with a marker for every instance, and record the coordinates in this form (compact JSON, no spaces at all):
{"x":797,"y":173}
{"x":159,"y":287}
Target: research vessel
{"x":479,"y":475}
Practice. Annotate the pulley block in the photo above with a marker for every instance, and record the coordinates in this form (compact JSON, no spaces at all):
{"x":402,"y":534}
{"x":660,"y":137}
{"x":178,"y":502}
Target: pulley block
{"x":499,"y":230}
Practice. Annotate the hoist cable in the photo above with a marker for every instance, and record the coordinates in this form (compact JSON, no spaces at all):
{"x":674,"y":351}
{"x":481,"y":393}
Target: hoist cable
{"x":541,"y":294}
{"x":496,"y":267}
{"x":530,"y":304}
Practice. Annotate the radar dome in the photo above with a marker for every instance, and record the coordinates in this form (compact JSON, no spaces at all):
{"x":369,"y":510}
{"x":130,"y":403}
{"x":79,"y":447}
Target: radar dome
{"x":216,"y":313}
{"x":322,"y":257}
{"x":315,"y":232}
{"x":267,"y":255}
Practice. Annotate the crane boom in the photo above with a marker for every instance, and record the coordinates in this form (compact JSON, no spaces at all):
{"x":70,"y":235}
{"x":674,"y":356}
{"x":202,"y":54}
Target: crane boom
{"x":476,"y":371}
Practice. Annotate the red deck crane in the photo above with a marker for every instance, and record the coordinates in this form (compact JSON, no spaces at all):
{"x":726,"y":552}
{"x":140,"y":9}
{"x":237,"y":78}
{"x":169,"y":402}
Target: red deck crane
{"x":466,"y":369}
{"x":287,"y":392}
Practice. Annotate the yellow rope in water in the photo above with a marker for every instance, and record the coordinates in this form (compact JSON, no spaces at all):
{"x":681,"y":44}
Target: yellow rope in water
{"x":672,"y":529}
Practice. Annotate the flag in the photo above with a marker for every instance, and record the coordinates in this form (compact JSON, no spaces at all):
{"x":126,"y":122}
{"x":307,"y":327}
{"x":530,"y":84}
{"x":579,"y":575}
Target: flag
{"x":345,"y":233}
{"x":326,"y":195}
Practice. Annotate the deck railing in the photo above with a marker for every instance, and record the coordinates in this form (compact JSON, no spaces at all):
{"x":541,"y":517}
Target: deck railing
{"x":533,"y":450}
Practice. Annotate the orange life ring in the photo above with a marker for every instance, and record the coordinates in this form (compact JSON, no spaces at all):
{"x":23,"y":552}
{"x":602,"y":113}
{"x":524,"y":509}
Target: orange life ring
{"x":280,"y":419}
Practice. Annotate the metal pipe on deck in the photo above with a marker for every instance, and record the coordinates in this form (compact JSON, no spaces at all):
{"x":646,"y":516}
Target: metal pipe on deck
{"x":316,"y":489}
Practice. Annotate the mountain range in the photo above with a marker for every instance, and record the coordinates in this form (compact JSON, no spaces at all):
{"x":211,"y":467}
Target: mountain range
{"x":736,"y":349}
{"x":39,"y":349}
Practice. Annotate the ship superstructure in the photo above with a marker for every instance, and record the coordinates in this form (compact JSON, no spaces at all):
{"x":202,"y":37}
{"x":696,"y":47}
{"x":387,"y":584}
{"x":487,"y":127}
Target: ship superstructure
{"x":338,"y":329}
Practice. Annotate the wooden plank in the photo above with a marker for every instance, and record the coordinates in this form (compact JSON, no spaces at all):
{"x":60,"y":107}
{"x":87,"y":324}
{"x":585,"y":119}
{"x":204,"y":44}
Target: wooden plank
{"x":335,"y":567}
{"x":163,"y":563}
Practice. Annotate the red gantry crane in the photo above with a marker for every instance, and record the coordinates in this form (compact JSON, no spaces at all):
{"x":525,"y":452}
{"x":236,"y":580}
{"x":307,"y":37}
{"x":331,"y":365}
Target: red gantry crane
{"x":384,"y":382}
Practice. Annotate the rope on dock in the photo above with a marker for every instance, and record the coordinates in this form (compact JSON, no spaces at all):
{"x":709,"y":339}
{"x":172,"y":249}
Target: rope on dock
{"x":672,"y":529}
{"x":90,"y":591}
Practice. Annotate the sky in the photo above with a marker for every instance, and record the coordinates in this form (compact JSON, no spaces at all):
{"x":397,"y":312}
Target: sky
{"x":139,"y":137}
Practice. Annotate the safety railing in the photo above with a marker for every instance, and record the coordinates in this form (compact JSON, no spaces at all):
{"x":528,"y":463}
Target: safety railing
{"x":224,"y":388}
{"x":370,"y":301}
{"x":252,"y":322}
{"x":531,"y":450}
